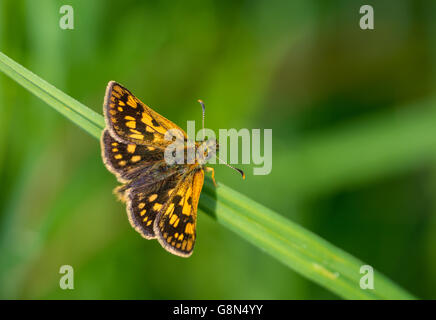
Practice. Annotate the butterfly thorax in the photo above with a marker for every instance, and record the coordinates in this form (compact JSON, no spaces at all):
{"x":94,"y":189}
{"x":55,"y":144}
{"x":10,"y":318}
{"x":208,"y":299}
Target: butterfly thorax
{"x":205,"y":150}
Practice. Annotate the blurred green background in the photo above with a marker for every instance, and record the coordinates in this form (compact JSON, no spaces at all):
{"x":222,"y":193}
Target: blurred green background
{"x":353,"y":114}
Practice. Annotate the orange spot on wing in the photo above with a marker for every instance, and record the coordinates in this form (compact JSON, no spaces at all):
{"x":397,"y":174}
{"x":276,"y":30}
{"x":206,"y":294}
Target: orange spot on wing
{"x":135,"y":158}
{"x":131,"y":124}
{"x":131,"y":148}
{"x":152,"y":197}
{"x":157,"y":206}
{"x":137,"y":136}
{"x":189,"y":228}
{"x":131,"y":102}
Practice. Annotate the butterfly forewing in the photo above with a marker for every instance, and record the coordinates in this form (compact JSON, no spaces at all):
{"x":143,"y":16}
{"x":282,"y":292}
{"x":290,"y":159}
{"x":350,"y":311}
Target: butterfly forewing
{"x":127,"y":161}
{"x":131,"y":121}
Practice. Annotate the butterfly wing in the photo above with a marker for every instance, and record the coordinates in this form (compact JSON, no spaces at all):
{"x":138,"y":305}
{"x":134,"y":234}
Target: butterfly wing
{"x":148,"y":180}
{"x":131,"y":121}
{"x":127,"y":161}
{"x":175,"y":224}
{"x":146,"y":197}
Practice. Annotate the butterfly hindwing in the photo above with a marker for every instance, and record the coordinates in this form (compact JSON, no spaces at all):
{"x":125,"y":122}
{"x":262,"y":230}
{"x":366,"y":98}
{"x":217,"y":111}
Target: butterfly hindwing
{"x":175,"y":225}
{"x":126,"y":161}
{"x":145,"y":200}
{"x":131,"y":121}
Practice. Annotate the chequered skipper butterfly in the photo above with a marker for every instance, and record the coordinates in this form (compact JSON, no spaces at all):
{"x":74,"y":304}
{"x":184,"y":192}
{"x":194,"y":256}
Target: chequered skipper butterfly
{"x":161,"y":199}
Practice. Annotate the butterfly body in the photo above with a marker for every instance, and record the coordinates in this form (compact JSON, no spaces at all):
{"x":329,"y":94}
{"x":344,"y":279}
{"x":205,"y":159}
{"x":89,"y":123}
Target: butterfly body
{"x":161,"y":198}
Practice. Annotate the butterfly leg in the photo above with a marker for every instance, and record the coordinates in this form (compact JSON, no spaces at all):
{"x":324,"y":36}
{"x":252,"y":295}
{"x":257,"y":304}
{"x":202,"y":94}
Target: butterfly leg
{"x":210,"y":169}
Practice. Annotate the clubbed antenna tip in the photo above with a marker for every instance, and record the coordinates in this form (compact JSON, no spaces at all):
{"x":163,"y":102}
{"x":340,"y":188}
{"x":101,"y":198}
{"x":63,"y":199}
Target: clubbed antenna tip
{"x":241,"y":172}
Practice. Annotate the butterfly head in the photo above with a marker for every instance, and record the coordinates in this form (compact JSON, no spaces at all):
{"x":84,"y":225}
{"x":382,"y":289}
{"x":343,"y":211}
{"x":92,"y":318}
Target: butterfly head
{"x":210,"y":149}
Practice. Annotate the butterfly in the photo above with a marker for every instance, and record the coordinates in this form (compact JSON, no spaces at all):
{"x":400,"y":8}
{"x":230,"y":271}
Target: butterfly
{"x":161,"y":197}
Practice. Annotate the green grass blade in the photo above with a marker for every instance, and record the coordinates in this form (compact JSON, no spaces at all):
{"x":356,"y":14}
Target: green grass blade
{"x":72,"y":109}
{"x":300,"y":249}
{"x":295,"y":246}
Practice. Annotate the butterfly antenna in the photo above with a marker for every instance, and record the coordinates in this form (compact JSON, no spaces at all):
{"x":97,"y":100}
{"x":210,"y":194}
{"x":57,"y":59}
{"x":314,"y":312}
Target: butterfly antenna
{"x":204,"y":113}
{"x":239,"y":170}
{"x":222,"y":161}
